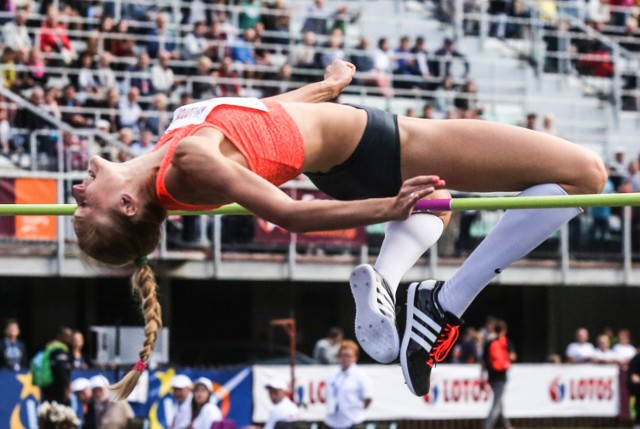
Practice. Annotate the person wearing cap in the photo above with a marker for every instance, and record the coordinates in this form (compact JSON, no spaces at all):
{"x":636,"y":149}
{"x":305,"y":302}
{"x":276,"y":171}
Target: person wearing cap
{"x":182,"y":387}
{"x":101,"y":145}
{"x":348,"y":391}
{"x":106,"y":413}
{"x":203,"y":411}
{"x":81,"y":389}
{"x":283,"y":410}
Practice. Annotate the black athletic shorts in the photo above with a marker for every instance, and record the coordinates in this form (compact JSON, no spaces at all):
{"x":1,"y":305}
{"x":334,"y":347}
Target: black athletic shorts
{"x":373,"y":169}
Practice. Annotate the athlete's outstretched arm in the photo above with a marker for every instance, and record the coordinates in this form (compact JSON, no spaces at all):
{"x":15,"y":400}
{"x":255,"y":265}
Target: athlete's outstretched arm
{"x":336,"y":77}
{"x":237,"y":184}
{"x":272,"y":204}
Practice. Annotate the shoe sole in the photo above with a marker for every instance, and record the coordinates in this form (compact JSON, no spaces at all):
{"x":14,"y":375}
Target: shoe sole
{"x":411,"y":294}
{"x":375,"y":331}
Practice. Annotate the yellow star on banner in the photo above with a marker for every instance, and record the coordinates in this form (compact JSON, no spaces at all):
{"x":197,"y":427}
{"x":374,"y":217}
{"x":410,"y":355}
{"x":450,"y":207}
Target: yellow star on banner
{"x":27,"y":386}
{"x":15,"y":422}
{"x":165,"y":378}
{"x":154,"y":423}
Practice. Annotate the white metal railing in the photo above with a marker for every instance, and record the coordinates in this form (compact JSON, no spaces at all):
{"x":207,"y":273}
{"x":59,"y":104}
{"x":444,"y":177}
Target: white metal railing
{"x":616,"y":246}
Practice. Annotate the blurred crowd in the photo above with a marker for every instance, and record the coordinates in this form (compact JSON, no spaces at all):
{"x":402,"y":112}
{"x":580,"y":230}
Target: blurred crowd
{"x":123,"y":77}
{"x":86,"y":401}
{"x":580,"y":36}
{"x":115,"y":71}
{"x":608,"y":347}
{"x":613,"y":347}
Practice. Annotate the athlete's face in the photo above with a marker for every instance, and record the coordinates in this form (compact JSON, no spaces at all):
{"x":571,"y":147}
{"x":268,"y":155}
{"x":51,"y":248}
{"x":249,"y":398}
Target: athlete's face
{"x":98,"y":192}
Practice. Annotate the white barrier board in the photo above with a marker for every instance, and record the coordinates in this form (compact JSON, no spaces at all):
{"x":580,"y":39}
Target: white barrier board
{"x":544,"y":390}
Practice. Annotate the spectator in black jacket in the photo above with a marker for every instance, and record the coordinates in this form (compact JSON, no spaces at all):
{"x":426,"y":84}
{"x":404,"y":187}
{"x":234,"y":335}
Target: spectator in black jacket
{"x":61,"y":365}
{"x":13,"y":353}
{"x":441,"y":64}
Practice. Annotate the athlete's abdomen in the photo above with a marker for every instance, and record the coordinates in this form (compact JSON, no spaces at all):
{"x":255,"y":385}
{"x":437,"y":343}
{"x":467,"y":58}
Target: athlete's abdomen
{"x":330,"y":132}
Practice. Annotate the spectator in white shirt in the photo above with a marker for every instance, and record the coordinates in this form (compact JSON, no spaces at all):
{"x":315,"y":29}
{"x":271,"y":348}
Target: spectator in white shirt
{"x":87,"y":82}
{"x":383,"y":57}
{"x":182,"y":386}
{"x":129,"y":109}
{"x":581,"y":350}
{"x":326,"y":349}
{"x":144,"y":144}
{"x":203,"y":411}
{"x":283,"y":410}
{"x":162,"y":76}
{"x":195,"y":43}
{"x":603,"y":352}
{"x":383,"y":66}
{"x":15,"y":33}
{"x":104,"y":74}
{"x":623,"y":349}
{"x":348,"y":391}
{"x":303,"y":55}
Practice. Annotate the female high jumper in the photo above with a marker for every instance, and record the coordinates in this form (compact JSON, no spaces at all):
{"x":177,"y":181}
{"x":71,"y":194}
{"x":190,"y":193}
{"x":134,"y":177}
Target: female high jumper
{"x":376,"y":166}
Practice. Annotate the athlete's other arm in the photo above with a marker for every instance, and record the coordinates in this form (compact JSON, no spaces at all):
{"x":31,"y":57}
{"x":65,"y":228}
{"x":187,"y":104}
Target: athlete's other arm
{"x":213,"y":178}
{"x":336,"y":77}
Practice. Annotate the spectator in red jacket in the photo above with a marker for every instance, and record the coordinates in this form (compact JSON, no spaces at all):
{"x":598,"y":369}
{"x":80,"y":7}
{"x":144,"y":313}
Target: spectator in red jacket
{"x":54,"y":38}
{"x":227,"y":79}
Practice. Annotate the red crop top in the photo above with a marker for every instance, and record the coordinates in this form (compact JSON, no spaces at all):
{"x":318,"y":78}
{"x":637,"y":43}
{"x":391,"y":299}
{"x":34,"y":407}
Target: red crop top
{"x":262,"y":131}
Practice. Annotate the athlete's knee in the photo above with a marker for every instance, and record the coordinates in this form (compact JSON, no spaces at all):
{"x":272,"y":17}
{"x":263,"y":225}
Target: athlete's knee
{"x":445,"y":216}
{"x":590,"y":177}
{"x":593,"y":177}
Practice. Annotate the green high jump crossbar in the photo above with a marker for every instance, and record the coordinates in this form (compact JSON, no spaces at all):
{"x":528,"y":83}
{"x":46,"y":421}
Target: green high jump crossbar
{"x":454,"y":204}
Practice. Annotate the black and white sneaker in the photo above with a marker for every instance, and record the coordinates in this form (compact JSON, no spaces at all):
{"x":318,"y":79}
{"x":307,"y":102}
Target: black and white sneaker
{"x":375,"y":323}
{"x":429,"y":335}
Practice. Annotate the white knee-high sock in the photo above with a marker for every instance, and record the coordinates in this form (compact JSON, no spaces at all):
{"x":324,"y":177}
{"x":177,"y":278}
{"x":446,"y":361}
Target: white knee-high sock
{"x":404,"y":242}
{"x":517,"y":233}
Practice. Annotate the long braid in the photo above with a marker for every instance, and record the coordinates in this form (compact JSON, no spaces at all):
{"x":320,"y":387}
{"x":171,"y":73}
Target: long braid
{"x":144,"y":283}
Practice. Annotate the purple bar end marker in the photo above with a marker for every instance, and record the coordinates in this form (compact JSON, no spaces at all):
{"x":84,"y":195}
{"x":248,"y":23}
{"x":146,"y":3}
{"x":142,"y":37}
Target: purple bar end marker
{"x":433,"y":205}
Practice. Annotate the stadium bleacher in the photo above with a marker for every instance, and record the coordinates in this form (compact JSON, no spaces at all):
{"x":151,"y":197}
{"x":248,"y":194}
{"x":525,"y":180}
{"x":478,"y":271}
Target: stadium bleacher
{"x":571,"y":62}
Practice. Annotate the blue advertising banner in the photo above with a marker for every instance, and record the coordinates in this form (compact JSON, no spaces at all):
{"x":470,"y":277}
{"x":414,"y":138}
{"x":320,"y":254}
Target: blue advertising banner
{"x":19,"y":398}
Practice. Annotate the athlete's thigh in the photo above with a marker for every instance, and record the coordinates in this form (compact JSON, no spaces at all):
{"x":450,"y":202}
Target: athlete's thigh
{"x":483,"y":156}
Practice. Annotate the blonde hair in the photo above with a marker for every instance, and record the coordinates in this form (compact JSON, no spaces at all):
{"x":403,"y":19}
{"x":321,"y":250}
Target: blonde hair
{"x":121,"y":240}
{"x":144,"y":283}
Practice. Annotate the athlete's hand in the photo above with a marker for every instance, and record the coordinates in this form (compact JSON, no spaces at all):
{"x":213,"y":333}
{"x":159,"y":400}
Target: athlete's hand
{"x":412,"y":191}
{"x":339,"y":74}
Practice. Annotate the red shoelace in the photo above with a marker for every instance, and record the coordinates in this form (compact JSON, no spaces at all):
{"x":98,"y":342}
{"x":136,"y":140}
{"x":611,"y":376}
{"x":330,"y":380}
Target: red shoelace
{"x":443,"y":345}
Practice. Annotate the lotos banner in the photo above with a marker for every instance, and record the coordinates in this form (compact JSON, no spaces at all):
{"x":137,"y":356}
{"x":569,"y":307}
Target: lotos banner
{"x":536,"y":390}
{"x":540,"y":390}
{"x":583,"y":390}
